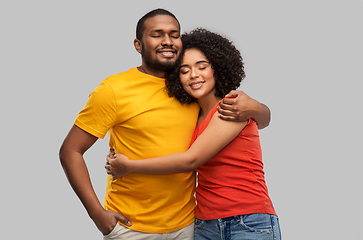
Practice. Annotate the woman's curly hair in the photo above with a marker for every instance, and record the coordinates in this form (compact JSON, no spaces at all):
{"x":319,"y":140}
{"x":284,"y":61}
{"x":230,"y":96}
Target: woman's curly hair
{"x":224,"y":57}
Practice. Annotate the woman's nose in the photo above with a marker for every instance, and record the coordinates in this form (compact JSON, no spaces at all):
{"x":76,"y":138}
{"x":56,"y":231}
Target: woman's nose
{"x":194,"y":73}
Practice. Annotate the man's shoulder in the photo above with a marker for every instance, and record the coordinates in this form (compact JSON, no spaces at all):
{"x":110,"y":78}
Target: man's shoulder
{"x":119,"y":76}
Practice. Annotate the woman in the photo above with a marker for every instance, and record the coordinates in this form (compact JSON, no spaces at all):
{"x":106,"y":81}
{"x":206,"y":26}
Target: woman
{"x":232,"y":197}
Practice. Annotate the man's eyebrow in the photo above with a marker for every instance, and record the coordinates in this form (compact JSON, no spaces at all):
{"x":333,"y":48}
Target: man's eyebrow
{"x":157,"y":30}
{"x":161,"y":31}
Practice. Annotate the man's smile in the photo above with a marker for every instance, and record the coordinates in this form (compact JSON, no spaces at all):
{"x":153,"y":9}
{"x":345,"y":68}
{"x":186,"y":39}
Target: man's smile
{"x":168,"y":53}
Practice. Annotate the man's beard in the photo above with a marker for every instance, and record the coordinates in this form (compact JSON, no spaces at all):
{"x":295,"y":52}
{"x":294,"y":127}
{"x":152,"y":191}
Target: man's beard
{"x":156,"y":64}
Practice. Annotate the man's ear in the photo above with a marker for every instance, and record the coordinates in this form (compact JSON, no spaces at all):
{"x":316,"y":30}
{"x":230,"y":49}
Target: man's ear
{"x":138,"y":45}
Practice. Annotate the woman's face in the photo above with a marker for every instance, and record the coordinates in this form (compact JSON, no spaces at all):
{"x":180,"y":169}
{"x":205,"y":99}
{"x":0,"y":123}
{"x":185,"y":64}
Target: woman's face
{"x":196,"y":74}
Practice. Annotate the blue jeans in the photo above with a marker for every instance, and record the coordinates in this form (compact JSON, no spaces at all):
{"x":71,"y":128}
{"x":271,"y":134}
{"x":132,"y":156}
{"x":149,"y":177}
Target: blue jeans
{"x":258,"y":226}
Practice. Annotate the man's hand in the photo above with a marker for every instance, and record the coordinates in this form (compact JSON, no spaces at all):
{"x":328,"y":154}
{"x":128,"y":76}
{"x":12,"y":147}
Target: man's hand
{"x":116,"y":165}
{"x":238,"y":106}
{"x":107,"y":220}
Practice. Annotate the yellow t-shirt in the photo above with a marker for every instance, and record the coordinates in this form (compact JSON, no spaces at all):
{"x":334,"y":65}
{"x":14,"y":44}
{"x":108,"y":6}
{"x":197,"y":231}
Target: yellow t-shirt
{"x":143,"y":122}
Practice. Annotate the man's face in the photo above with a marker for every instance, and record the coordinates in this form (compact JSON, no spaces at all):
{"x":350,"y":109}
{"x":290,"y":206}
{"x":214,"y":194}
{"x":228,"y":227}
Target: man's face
{"x":161,"y":43}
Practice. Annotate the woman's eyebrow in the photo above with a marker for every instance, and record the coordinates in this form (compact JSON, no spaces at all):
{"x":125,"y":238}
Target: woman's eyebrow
{"x":201,"y":61}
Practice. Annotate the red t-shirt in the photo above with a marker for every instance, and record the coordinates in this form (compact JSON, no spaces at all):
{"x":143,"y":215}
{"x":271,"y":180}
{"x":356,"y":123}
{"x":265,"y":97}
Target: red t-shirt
{"x":232,"y":182}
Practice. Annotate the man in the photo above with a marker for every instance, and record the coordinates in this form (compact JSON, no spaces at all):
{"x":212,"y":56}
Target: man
{"x":143,"y":122}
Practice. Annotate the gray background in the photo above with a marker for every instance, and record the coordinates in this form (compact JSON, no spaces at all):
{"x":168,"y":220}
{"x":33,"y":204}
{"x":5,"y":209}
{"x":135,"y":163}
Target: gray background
{"x":303,"y":59}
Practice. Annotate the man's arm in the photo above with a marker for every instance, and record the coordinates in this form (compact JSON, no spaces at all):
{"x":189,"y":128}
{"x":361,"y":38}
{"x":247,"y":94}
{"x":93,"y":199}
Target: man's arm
{"x":238,"y":106}
{"x":71,"y":153}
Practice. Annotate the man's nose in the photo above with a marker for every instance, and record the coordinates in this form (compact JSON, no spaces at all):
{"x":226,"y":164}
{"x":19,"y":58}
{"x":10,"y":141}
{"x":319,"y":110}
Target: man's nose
{"x":167,"y":40}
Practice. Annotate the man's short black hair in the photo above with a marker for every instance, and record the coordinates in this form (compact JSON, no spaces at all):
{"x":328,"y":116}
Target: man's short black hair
{"x":141,"y":26}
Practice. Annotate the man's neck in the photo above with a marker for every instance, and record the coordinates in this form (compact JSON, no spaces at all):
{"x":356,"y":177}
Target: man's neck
{"x":150,"y":71}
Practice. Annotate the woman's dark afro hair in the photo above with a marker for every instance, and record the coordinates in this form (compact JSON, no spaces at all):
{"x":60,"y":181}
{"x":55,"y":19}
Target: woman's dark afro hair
{"x":224,"y":57}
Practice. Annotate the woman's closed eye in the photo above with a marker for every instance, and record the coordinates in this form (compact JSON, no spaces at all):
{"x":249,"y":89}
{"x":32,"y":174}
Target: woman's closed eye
{"x":184,"y":70}
{"x":202,"y":67}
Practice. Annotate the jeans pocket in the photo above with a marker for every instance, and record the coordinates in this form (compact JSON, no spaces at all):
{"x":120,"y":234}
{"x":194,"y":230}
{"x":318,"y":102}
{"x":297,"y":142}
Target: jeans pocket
{"x":257,"y":222}
{"x":113,"y":234}
{"x":198,"y":223}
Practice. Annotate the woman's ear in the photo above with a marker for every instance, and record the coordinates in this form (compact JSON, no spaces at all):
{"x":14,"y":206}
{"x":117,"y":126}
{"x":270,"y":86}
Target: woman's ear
{"x":138,"y":45}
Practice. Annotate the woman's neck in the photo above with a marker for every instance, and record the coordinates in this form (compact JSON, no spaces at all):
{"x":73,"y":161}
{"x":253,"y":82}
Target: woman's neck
{"x":206,"y":104}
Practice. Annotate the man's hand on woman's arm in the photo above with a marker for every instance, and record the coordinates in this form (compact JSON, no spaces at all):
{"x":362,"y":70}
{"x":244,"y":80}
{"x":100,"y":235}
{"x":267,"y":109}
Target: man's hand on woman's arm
{"x":238,"y":106}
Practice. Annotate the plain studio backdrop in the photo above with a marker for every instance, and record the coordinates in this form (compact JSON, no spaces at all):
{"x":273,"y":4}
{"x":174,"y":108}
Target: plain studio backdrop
{"x":302,"y":58}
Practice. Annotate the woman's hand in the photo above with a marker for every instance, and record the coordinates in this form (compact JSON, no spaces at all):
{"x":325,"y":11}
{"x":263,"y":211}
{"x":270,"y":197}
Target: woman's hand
{"x":117,"y":165}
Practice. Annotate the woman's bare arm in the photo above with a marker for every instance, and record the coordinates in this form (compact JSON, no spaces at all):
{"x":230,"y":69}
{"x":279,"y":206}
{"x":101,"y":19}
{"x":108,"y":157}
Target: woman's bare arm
{"x":214,"y":138}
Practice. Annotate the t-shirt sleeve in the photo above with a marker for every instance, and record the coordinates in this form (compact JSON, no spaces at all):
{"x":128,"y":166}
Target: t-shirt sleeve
{"x":99,"y":113}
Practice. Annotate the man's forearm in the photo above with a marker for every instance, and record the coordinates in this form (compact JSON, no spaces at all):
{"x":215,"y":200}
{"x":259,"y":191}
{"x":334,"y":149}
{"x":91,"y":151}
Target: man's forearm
{"x":71,"y":153}
{"x":78,"y":177}
{"x":263,"y":116}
